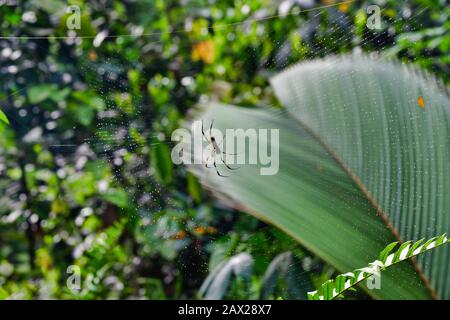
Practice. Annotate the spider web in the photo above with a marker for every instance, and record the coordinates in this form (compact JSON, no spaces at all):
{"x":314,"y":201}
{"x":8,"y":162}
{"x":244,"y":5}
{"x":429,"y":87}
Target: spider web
{"x":113,"y":141}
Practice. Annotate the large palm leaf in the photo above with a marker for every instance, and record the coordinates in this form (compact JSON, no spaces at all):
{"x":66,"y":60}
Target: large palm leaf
{"x":361,"y":164}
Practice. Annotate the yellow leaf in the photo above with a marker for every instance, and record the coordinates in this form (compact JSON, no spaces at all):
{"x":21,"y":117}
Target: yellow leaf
{"x":343,"y":7}
{"x":92,"y":56}
{"x":204,"y":51}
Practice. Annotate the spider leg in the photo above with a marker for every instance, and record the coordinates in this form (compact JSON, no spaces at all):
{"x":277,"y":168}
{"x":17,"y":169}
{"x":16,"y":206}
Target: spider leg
{"x":206,"y":162}
{"x":217,"y":170}
{"x":229,"y":154}
{"x":203,"y":133}
{"x":210,"y":128}
{"x":226,"y":164}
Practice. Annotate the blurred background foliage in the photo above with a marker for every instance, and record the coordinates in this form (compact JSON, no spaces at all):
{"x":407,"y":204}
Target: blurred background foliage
{"x":85,"y":171}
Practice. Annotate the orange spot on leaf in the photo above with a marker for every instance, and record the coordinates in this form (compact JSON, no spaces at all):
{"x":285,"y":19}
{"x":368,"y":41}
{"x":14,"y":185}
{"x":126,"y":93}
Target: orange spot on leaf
{"x":421,"y":102}
{"x":200,"y":230}
{"x":179,"y":235}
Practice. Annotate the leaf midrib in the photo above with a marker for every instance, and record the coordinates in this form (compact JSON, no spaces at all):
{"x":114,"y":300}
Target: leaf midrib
{"x":373,"y":202}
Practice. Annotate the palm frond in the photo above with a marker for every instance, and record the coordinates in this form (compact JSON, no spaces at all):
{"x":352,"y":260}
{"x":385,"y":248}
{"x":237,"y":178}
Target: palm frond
{"x":332,"y":289}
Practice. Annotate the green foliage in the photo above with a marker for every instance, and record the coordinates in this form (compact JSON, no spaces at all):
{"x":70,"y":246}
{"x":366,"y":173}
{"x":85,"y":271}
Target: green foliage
{"x":235,"y":277}
{"x":382,"y":139}
{"x":332,"y":289}
{"x":348,"y":200}
{"x":3,"y":117}
{"x":287,"y":268}
{"x":39,"y":93}
{"x":162,"y":163}
{"x":85,"y":177}
{"x":217,"y":282}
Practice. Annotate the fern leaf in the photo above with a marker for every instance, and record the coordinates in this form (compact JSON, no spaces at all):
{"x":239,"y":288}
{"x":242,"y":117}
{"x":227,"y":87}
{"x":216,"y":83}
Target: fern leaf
{"x":332,"y":289}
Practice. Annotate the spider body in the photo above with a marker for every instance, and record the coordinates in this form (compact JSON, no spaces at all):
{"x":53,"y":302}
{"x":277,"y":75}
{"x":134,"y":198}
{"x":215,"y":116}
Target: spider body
{"x":215,"y":152}
{"x":215,"y":146}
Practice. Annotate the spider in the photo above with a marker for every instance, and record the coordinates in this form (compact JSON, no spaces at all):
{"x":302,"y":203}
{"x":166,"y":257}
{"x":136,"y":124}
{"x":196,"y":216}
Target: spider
{"x":216,"y":151}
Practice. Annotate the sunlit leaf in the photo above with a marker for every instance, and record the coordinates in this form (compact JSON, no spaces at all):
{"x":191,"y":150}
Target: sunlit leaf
{"x":360,"y":166}
{"x":3,"y":117}
{"x":161,"y":162}
{"x":285,"y":267}
{"x":335,"y":288}
{"x":41,"y":92}
{"x":365,"y":111}
{"x":194,"y":188}
{"x":311,"y":198}
{"x":216,"y":284}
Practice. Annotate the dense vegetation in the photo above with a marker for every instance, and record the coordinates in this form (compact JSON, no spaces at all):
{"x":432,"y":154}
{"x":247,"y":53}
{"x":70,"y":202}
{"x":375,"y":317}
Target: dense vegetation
{"x":86,"y":176}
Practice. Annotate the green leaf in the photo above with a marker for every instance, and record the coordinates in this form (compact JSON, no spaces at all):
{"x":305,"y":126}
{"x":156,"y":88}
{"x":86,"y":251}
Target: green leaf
{"x":162,"y":162}
{"x":3,"y":117}
{"x":369,"y":115}
{"x":287,"y":268}
{"x":84,"y":114}
{"x":362,"y":164}
{"x":402,"y":251}
{"x":311,"y":198}
{"x":117,"y":197}
{"x":88,"y":98}
{"x":41,"y":92}
{"x":216,"y":284}
{"x":60,"y":95}
{"x":332,"y":289}
{"x":194,"y":188}
{"x":416,"y":245}
{"x":387,"y":250}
